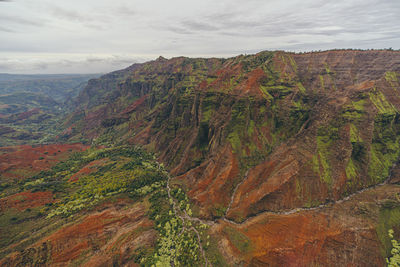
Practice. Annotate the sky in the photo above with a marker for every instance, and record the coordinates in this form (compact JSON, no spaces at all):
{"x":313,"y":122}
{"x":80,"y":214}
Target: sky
{"x":98,"y":36}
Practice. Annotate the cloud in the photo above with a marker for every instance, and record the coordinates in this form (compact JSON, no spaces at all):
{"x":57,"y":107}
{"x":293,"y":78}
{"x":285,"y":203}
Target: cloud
{"x":4,"y":29}
{"x":125,"y":10}
{"x":14,"y":20}
{"x":92,"y":19}
{"x":198,"y":26}
{"x":318,"y":18}
{"x":99,"y":29}
{"x":77,"y":64}
{"x":69,"y":14}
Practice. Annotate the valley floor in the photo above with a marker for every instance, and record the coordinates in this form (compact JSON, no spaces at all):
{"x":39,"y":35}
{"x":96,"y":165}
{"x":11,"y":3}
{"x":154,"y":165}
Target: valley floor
{"x":75,"y":212}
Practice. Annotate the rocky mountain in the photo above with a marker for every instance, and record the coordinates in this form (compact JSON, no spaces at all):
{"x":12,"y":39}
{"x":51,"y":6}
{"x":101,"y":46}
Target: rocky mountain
{"x":282,"y":159}
{"x":301,"y":129}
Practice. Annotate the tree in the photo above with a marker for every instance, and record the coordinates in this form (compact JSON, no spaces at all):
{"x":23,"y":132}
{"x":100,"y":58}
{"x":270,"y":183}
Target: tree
{"x":394,"y":260}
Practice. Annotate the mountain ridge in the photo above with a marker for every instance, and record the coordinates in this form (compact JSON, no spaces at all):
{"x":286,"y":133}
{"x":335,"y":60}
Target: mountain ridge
{"x":271,"y":159}
{"x":280,"y":87}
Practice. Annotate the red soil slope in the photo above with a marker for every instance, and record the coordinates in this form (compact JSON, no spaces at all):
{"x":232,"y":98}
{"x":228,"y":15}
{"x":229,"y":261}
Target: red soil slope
{"x":19,"y":162}
{"x":24,"y":200}
{"x":102,"y":238}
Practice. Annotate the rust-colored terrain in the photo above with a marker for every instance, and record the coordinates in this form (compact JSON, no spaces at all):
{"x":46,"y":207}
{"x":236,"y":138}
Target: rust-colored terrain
{"x":101,"y":238}
{"x":288,"y":159}
{"x":19,"y":162}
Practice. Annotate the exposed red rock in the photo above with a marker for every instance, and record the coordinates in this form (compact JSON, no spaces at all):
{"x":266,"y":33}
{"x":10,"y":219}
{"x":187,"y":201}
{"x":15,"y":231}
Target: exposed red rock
{"x":25,"y":200}
{"x":343,"y":234}
{"x":269,"y":146}
{"x":22,"y":161}
{"x":101,"y":238}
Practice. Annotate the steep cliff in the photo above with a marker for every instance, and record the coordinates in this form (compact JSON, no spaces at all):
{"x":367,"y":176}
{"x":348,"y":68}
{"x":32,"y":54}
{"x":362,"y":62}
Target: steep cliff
{"x":274,"y":159}
{"x":274,"y":130}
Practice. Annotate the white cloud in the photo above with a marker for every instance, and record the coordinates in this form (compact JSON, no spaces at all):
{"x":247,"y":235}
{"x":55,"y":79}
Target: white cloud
{"x":99,"y":29}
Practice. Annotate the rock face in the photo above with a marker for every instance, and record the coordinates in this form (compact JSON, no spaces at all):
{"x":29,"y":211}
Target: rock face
{"x":265,"y":132}
{"x":342,"y":234}
{"x":292,"y":157}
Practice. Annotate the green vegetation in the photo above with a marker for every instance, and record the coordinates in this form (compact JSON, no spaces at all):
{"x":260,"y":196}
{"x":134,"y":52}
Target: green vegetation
{"x":380,"y":102}
{"x":59,"y":87}
{"x":354,"y":111}
{"x":351,"y":170}
{"x":326,"y":137}
{"x":119,"y":171}
{"x":129,"y":170}
{"x":392,"y":78}
{"x":389,"y":218}
{"x":191,"y":108}
{"x":394,"y":260}
{"x":178,"y":244}
{"x":32,"y":105}
{"x":301,"y":87}
{"x":262,"y":59}
{"x":239,"y":240}
{"x":384,"y":150}
{"x":16,"y":225}
{"x":321,"y":80}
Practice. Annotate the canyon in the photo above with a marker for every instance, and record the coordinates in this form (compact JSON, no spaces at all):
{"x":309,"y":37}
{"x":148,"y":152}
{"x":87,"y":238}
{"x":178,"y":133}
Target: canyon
{"x":271,"y":159}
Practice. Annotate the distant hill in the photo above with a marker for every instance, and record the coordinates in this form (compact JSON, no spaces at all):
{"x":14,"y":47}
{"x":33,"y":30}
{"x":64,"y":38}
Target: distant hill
{"x":30,"y":105}
{"x":57,"y":86}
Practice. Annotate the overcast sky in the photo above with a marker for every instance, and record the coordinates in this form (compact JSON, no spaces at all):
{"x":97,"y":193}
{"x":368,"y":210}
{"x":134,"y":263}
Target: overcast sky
{"x":90,"y":36}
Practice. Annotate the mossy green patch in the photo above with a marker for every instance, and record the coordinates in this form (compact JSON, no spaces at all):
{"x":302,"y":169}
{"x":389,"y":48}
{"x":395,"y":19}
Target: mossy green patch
{"x":327,"y":172}
{"x":206,"y":115}
{"x":301,"y":87}
{"x":321,"y":162}
{"x":327,"y":69}
{"x":359,"y":105}
{"x":385,"y":148}
{"x":389,"y":218}
{"x":380,"y":102}
{"x":321,"y":80}
{"x":354,"y":111}
{"x":238,"y":125}
{"x":391,"y":77}
{"x":262,"y":109}
{"x":239,"y":240}
{"x":213,"y":253}
{"x":351,"y":173}
{"x":264,"y":90}
{"x":293,"y":63}
{"x":298,"y":187}
{"x":315,"y":164}
{"x":234,"y":139}
{"x":250,"y":129}
{"x":380,"y":163}
{"x":354,"y":134}
{"x":219,"y":210}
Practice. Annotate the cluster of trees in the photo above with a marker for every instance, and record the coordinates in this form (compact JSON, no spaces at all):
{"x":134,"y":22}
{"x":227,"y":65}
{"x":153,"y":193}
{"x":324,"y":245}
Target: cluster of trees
{"x":178,"y":244}
{"x":128,"y":169}
{"x":394,"y":260}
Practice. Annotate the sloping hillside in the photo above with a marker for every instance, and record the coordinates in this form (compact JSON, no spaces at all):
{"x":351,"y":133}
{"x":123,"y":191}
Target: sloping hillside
{"x":270,"y":131}
{"x":273,"y":159}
